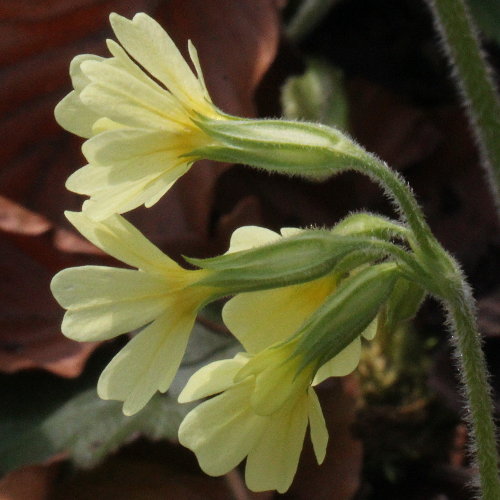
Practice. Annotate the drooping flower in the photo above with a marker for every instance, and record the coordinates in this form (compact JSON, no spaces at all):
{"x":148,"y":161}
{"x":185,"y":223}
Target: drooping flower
{"x":259,"y":319}
{"x":148,"y":118}
{"x":159,"y":297}
{"x":138,"y":116}
{"x":261,"y":413}
{"x":264,"y":398}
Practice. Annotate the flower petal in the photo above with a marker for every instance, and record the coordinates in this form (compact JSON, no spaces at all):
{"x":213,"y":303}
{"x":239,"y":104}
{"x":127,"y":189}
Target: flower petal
{"x":127,"y":195}
{"x":146,"y":41}
{"x":88,"y":179}
{"x":371,"y":330}
{"x":78,"y":78}
{"x":272,"y":463}
{"x":123,"y":61}
{"x":148,"y":363}
{"x":119,"y":96}
{"x":247,"y":237}
{"x":129,"y":145}
{"x":72,"y":115}
{"x":342,"y":364}
{"x":222,"y":430}
{"x":287,"y":232}
{"x":319,"y":432}
{"x":124,"y":242}
{"x":103,"y":302}
{"x":260,"y":319}
{"x":193,"y":54}
{"x":212,"y":378}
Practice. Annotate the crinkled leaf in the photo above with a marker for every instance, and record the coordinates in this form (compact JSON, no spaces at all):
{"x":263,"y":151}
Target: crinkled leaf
{"x":86,"y":428}
{"x":44,"y":416}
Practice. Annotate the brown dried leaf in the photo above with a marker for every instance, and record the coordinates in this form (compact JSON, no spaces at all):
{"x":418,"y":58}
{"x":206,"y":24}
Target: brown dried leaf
{"x":29,"y":316}
{"x":401,"y":134}
{"x":144,"y":471}
{"x":33,"y":482}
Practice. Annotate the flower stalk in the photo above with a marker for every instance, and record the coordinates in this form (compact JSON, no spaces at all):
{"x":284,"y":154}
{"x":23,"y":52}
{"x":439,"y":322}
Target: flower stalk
{"x":473,"y":371}
{"x":440,"y":276}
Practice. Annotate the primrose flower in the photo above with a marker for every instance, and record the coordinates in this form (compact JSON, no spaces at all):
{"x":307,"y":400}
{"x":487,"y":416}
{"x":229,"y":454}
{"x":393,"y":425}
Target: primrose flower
{"x":264,"y":399}
{"x":159,"y":296}
{"x":261,"y":411}
{"x":261,"y":318}
{"x":138,"y":116}
{"x":148,"y":118}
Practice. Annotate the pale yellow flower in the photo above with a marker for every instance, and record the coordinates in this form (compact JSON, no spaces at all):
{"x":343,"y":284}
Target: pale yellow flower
{"x":259,"y":319}
{"x":263,"y":403}
{"x":158,"y":296}
{"x":261,"y":413}
{"x":138,"y":116}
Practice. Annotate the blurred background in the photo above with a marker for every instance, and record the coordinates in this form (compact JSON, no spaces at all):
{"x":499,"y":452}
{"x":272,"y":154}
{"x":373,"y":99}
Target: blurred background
{"x":370,"y":67}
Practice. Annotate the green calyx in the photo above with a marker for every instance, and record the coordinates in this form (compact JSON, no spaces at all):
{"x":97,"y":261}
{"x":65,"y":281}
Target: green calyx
{"x":296,"y":259}
{"x":403,"y":304}
{"x":345,"y":314}
{"x":296,"y":148}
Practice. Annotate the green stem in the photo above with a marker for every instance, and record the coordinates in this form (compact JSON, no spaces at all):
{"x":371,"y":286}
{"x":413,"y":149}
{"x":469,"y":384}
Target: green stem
{"x":401,"y":195}
{"x":473,"y":370}
{"x":474,"y":80}
{"x":442,"y":277}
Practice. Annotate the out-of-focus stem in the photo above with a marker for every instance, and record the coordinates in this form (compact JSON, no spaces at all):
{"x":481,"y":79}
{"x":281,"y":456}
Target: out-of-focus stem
{"x":474,"y":80}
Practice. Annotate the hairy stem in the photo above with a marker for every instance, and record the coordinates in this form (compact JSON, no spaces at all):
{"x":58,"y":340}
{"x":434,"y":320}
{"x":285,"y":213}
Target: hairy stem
{"x":446,"y":282}
{"x":402,"y":197}
{"x":474,"y":374}
{"x":473,"y":78}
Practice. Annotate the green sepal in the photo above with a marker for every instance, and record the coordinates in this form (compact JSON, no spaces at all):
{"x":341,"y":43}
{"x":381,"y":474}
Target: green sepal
{"x":403,"y":304}
{"x":345,"y":314}
{"x":296,"y":148}
{"x":296,"y":259}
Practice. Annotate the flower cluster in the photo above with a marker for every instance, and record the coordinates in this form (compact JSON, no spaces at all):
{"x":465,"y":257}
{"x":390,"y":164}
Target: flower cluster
{"x":294,"y":296}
